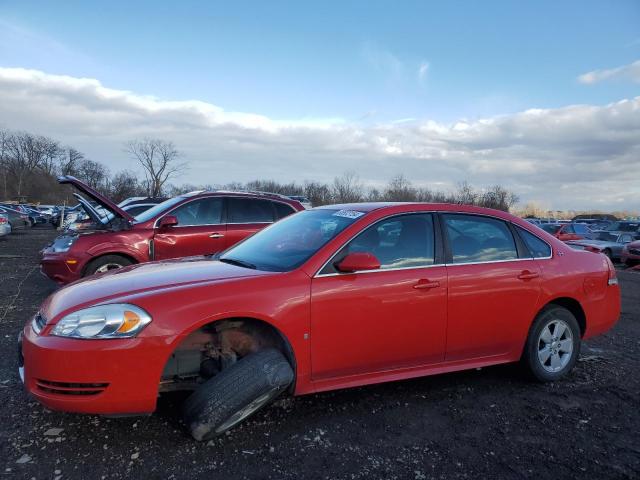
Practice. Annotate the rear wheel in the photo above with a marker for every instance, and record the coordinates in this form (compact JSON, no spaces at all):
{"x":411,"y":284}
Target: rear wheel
{"x":106,"y":263}
{"x":236,"y":393}
{"x":607,"y":252}
{"x":553,"y":344}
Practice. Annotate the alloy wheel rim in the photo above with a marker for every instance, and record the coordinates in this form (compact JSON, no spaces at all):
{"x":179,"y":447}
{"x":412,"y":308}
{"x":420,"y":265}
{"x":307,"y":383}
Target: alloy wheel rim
{"x":108,"y":266}
{"x":555,"y":346}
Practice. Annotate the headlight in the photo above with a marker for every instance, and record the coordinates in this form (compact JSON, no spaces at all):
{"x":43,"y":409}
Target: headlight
{"x":63,"y":243}
{"x":103,"y":321}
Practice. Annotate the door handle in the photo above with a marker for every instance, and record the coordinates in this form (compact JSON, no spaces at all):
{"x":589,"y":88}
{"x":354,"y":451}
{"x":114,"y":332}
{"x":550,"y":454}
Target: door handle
{"x":426,"y":285}
{"x":527,"y":275}
{"x":216,"y":235}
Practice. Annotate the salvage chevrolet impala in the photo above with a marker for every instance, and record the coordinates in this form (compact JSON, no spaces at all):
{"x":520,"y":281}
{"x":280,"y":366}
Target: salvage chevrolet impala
{"x":328,"y":298}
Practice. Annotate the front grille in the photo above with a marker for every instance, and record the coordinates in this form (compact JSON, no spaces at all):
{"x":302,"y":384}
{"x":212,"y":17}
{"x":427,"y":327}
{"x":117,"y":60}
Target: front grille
{"x":38,"y":322}
{"x":64,"y":388}
{"x":634,"y":251}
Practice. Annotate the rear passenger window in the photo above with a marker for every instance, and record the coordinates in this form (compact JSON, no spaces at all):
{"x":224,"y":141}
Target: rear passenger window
{"x":479,"y":239}
{"x":537,"y":247}
{"x":399,"y":242}
{"x":249,"y":210}
{"x":283,"y":210}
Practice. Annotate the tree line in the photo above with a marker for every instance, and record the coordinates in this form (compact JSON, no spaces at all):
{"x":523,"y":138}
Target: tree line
{"x":29,"y":165}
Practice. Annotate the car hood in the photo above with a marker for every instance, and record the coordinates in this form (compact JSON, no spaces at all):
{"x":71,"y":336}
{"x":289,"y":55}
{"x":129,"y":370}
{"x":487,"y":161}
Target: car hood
{"x":140,"y":279}
{"x":96,"y":196}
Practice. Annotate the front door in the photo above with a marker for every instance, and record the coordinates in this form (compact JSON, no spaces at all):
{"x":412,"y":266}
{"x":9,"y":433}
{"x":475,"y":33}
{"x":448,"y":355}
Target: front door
{"x":200,"y":230}
{"x":384,"y":319}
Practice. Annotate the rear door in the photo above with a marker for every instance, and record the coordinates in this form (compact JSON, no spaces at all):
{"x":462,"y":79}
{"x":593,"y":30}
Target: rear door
{"x":493,"y":287}
{"x":245,"y":216}
{"x":200,"y":231}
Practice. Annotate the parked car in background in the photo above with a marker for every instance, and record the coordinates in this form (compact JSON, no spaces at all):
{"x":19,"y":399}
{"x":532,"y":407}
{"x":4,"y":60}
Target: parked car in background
{"x":623,"y":226}
{"x":568,"y":231}
{"x":200,"y":223}
{"x":5,"y":227}
{"x":306,"y":203}
{"x":333,"y":297}
{"x":608,"y":243}
{"x":17,"y":220}
{"x":47,"y":209}
{"x":631,"y":254}
{"x":86,"y":222}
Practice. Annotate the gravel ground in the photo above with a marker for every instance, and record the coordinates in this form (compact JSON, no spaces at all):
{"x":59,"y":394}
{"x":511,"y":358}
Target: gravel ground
{"x":489,"y":423}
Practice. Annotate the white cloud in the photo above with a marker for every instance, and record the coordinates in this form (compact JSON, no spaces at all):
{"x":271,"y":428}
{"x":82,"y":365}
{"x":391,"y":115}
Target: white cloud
{"x":423,"y":69}
{"x":579,"y":156}
{"x":625,"y":72}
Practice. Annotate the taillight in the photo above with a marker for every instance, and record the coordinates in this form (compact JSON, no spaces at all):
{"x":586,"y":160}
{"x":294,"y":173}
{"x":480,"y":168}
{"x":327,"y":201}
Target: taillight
{"x":613,"y":278}
{"x":3,"y":220}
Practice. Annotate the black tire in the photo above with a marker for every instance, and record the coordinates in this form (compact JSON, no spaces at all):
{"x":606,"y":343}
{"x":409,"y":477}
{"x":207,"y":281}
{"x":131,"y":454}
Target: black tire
{"x":530,"y":358}
{"x":259,"y":377}
{"x":108,"y":262}
{"x":607,"y":252}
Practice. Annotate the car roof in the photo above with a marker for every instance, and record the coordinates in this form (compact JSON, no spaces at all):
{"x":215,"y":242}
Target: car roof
{"x":427,"y":206}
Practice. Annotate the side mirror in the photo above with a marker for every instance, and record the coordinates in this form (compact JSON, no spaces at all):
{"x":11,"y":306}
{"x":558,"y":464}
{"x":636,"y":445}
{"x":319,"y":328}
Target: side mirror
{"x":358,"y":261}
{"x":168,"y":221}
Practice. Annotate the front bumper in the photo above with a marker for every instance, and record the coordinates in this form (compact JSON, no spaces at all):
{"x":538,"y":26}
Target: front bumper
{"x":112,"y":377}
{"x":60,"y":267}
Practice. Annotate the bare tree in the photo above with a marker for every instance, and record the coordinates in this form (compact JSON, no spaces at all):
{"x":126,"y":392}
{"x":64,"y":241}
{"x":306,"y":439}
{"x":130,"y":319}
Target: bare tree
{"x":4,"y":160}
{"x":26,"y":153}
{"x":159,"y":159}
{"x":347,"y":188}
{"x":93,"y":174}
{"x":123,"y":185}
{"x":69,"y":160}
{"x":399,"y":189}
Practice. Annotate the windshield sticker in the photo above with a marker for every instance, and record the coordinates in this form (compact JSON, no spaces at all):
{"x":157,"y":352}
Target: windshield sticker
{"x":348,"y":214}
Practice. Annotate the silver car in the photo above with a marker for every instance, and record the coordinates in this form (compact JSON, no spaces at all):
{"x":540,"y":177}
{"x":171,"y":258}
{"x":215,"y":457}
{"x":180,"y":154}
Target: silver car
{"x":609,"y":243}
{"x":5,"y":226}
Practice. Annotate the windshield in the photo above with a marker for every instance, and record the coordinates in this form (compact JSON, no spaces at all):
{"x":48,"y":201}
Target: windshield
{"x":289,"y":243}
{"x":550,"y":228}
{"x":157,"y":209}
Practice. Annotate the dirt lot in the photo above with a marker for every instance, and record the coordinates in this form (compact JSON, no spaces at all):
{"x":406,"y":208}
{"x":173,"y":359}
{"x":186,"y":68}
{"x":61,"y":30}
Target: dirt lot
{"x":479,"y":424}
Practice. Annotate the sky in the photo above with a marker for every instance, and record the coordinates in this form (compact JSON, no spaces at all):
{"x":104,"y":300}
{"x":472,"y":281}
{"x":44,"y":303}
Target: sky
{"x":542,"y":97}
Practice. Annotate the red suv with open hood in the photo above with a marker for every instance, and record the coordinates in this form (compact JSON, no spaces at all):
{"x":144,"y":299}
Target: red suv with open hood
{"x":197,"y":223}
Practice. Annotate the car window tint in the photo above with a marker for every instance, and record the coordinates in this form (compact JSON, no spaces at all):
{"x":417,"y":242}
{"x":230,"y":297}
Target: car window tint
{"x":204,"y":211}
{"x":581,"y":228}
{"x":626,"y":238}
{"x":137,"y":210}
{"x":537,"y":247}
{"x":402,"y":241}
{"x":479,"y":239}
{"x":283,"y":210}
{"x":568,"y":229}
{"x":249,"y":210}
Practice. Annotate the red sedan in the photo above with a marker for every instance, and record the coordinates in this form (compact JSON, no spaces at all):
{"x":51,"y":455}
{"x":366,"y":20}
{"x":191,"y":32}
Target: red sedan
{"x":197,"y":223}
{"x":631,"y":254}
{"x":328,"y":298}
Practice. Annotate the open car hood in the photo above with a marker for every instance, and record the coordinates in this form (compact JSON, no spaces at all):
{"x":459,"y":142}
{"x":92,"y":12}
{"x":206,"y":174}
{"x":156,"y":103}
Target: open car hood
{"x":90,"y":210}
{"x":97,"y":197}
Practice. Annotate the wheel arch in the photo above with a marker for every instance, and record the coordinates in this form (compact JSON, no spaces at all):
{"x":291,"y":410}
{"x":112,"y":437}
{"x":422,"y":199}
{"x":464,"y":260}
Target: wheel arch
{"x":128,"y":256}
{"x":256,"y":332}
{"x":573,"y":306}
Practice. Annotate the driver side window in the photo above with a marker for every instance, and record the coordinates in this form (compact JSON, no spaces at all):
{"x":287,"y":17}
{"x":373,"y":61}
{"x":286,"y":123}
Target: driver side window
{"x":204,"y":211}
{"x":401,"y":241}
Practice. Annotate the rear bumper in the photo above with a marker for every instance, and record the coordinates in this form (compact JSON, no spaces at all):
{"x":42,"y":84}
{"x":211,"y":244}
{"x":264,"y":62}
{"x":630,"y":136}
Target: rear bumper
{"x":92,"y":376}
